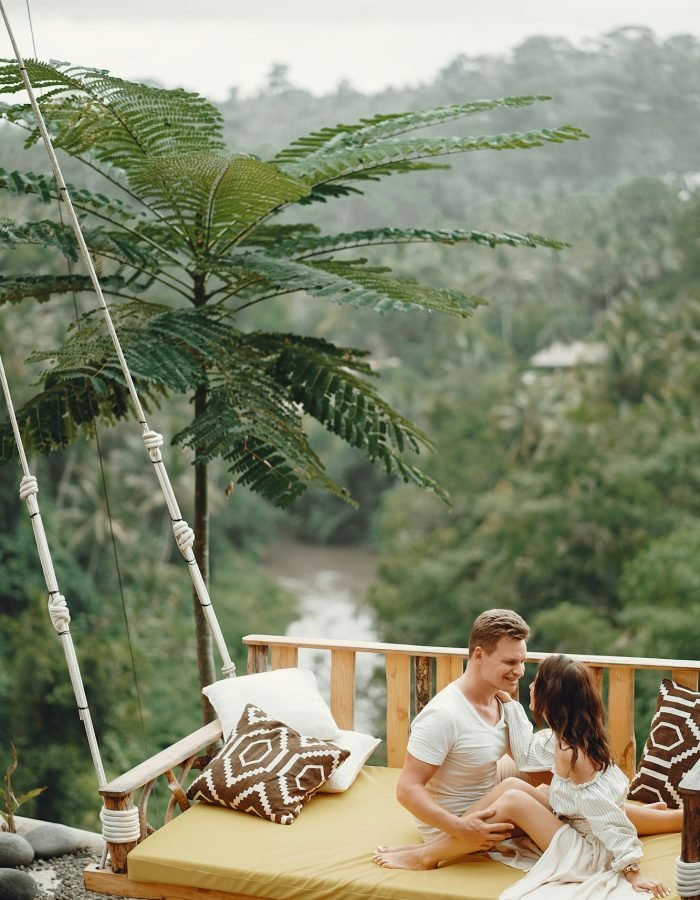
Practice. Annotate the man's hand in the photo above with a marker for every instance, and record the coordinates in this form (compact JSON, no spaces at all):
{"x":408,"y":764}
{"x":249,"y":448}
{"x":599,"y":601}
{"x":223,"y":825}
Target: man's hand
{"x":478,"y":834}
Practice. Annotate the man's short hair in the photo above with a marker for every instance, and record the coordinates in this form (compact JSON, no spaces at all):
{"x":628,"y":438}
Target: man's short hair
{"x":494,"y":624}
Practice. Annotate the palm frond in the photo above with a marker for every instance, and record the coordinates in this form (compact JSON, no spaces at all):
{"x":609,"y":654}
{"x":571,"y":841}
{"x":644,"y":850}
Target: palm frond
{"x":367,"y":161}
{"x":308,"y":244}
{"x":118,"y":122}
{"x":388,"y":125}
{"x":349,"y":282}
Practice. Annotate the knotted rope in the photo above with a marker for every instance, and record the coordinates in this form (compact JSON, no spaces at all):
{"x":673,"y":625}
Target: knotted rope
{"x":687,"y":878}
{"x":120,"y":826}
{"x":57,"y":606}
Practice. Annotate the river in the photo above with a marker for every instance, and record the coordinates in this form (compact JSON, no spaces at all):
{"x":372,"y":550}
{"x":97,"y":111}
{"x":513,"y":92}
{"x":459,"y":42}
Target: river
{"x":331,"y":584}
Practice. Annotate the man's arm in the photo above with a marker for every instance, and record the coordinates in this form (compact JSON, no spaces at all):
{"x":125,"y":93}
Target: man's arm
{"x":473,"y":829}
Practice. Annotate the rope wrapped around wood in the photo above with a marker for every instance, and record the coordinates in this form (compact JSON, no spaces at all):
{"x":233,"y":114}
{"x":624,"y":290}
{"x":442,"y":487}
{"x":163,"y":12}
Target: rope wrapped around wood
{"x":58,"y":612}
{"x":120,"y":826}
{"x":687,"y":878}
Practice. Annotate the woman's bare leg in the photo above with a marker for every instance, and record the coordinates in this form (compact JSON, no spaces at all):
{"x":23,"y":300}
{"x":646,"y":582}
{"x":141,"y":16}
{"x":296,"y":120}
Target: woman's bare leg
{"x":654,"y":819}
{"x":486,"y":801}
{"x":514,"y":804}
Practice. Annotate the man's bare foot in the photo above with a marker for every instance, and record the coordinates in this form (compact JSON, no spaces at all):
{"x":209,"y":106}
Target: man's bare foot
{"x":413,"y":858}
{"x":658,"y":805}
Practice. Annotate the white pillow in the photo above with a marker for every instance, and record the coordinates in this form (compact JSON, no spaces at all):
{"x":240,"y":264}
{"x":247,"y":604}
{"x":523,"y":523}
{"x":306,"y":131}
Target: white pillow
{"x":360,"y":746}
{"x":290,"y":695}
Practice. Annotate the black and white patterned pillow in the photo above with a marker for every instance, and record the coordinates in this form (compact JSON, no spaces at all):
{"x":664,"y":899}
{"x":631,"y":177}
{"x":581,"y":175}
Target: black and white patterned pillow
{"x":672,"y":748}
{"x":267,"y":768}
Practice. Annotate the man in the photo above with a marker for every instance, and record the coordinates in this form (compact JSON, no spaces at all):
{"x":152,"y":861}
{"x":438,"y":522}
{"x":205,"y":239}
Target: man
{"x":458,"y":739}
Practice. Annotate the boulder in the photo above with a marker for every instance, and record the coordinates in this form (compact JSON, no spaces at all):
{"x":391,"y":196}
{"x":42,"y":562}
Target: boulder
{"x":15,"y":850}
{"x":15,"y":885}
{"x":51,"y":839}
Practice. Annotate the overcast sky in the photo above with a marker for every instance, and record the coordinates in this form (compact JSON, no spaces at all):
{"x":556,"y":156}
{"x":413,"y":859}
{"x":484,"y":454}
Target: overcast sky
{"x":213,"y":45}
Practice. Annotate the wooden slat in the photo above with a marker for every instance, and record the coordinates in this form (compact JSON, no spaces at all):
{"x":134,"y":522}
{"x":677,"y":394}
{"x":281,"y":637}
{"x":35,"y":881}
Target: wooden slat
{"x":690,"y":792}
{"x":597,"y":672}
{"x":423,"y":682}
{"x":621,"y":719}
{"x":447,"y":669}
{"x":257,"y":657}
{"x":343,"y":687}
{"x":634,"y":662}
{"x":685,"y":678}
{"x":104,"y":881}
{"x":159,"y":763}
{"x":397,"y":707}
{"x":284,"y":657}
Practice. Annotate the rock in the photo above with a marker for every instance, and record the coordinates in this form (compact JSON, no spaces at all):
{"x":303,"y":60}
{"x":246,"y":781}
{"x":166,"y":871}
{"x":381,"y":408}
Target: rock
{"x":90,"y":840}
{"x":15,"y":850}
{"x":16,"y":885}
{"x":52,"y":839}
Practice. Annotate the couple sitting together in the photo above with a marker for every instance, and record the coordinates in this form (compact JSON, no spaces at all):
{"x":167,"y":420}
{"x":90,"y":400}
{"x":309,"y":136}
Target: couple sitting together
{"x":584,"y":831}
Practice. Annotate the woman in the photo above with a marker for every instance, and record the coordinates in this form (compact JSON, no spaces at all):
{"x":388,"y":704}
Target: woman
{"x":590,"y":847}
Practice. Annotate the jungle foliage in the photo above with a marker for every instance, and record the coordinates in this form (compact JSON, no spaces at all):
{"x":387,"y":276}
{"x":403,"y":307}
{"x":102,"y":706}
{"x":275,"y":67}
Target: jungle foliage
{"x":573,"y":491}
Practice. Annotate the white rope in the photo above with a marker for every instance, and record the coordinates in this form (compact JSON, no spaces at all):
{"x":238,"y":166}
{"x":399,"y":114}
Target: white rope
{"x":687,"y":878}
{"x":57,"y":606}
{"x":152,"y":439}
{"x":120,"y":826}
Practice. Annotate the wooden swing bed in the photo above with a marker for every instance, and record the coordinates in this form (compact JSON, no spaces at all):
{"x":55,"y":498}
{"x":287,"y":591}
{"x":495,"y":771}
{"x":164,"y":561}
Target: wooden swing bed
{"x":211,"y":852}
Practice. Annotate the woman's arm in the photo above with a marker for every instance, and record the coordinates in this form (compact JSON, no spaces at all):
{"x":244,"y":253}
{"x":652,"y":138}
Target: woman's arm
{"x":532,"y":750}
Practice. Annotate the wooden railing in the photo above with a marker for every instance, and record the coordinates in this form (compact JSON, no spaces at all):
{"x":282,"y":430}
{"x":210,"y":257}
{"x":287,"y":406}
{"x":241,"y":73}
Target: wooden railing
{"x":415,"y":673}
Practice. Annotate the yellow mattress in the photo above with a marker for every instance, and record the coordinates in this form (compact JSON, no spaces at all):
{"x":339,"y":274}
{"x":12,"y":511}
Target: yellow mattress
{"x":326,"y":854}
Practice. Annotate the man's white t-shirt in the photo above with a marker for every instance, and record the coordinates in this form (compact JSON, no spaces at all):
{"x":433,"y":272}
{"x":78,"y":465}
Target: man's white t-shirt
{"x":449,"y":733}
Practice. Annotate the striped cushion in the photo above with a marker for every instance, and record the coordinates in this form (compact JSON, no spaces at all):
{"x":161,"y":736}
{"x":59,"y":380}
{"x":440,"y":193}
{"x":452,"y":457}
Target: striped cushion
{"x":266,"y":768}
{"x":672,"y":748}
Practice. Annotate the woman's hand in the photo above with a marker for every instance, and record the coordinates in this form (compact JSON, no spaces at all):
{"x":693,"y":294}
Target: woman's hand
{"x":503,"y":696}
{"x":644,"y":885}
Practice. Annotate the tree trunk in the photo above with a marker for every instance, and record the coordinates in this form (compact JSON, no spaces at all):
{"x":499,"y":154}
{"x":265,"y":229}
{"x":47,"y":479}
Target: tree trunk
{"x":205,"y":653}
{"x":205,"y":656}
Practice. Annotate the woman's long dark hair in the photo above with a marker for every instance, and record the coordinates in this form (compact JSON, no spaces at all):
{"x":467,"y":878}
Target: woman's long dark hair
{"x":565,"y":695}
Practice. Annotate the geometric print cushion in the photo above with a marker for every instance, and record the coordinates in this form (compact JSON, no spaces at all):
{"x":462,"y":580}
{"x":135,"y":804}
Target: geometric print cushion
{"x":672,"y":748}
{"x":266,"y":768}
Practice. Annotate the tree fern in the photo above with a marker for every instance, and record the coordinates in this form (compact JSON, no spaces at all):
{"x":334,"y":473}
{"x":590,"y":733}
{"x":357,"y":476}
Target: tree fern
{"x":197,"y":221}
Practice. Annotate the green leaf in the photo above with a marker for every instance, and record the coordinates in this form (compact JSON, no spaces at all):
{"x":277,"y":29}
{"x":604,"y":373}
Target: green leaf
{"x":382,"y":126}
{"x":118,"y":122}
{"x":357,"y":161}
{"x":303,"y":245}
{"x":15,"y":288}
{"x":348,"y":282}
{"x":213,"y":196}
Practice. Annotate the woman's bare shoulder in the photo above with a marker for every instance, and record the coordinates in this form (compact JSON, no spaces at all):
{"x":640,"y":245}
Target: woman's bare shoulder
{"x":578,"y":768}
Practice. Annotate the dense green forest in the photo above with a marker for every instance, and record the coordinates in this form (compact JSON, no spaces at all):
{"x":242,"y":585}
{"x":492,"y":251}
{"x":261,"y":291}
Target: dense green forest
{"x":572,"y":488}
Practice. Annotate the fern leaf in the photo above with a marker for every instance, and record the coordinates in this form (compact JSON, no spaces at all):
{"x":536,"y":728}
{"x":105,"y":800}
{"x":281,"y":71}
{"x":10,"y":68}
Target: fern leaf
{"x":355,"y":161}
{"x":383,"y":126}
{"x":15,"y":288}
{"x":347,"y":282}
{"x":224,"y":194}
{"x":302,"y":245}
{"x":90,"y":111}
